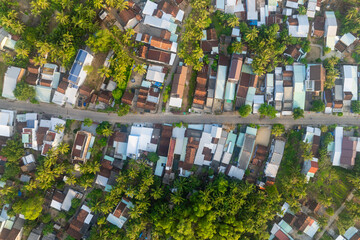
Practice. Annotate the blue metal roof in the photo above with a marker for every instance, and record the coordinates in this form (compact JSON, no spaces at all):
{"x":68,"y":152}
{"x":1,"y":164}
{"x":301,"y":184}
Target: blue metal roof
{"x":81,"y":56}
{"x":30,"y":124}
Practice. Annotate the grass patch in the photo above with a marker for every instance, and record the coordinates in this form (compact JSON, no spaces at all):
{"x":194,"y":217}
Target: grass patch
{"x":219,"y":25}
{"x":3,"y":68}
{"x":192,"y":84}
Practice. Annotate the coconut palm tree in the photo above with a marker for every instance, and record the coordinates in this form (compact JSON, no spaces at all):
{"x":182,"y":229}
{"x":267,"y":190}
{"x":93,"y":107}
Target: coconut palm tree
{"x":62,"y":18}
{"x":18,"y":28}
{"x":71,"y":180}
{"x":252,"y":34}
{"x":63,"y":148}
{"x":140,"y":69}
{"x":98,"y":4}
{"x":237,"y":47}
{"x":22,"y":52}
{"x":233,"y":21}
{"x":107,"y":132}
{"x":59,"y":128}
{"x":104,"y":72}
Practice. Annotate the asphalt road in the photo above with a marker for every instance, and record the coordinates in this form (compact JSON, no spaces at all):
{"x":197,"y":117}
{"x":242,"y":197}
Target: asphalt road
{"x":226,"y":118}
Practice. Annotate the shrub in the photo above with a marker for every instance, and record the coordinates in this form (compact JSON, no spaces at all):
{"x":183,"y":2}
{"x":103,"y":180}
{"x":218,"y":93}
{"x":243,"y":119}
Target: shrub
{"x":327,"y":50}
{"x":245,"y":110}
{"x":355,"y":106}
{"x":318,"y":106}
{"x":298,"y":113}
{"x":340,"y":114}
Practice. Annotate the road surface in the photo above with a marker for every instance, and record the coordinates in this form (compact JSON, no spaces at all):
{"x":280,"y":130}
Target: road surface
{"x":226,"y":118}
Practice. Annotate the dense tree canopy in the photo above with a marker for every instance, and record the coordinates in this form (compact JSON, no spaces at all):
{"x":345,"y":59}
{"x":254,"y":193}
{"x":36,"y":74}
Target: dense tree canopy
{"x":194,"y":209}
{"x":24,"y":92}
{"x":318,"y":106}
{"x":267,"y":110}
{"x":245,"y":110}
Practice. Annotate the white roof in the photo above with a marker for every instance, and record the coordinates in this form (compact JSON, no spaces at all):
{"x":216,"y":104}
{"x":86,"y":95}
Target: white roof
{"x":156,"y":76}
{"x":175,"y":102}
{"x":235,"y":32}
{"x":149,"y":8}
{"x":111,"y":86}
{"x":144,"y":134}
{"x":28,"y":159}
{"x":10,"y":79}
{"x":340,"y":238}
{"x":119,"y":222}
{"x":271,"y":170}
{"x":66,"y":205}
{"x":89,"y":216}
{"x":101,"y":180}
{"x":160,"y":165}
{"x":178,"y":132}
{"x":291,"y":4}
{"x":350,"y":80}
{"x":56,"y":205}
{"x":220,"y":4}
{"x":284,"y":209}
{"x":132,"y":146}
{"x":71,"y":94}
{"x":54,"y":122}
{"x":311,"y":230}
{"x":180,"y":15}
{"x":348,"y":39}
{"x":339,"y":132}
{"x":252,"y":14}
{"x":236,"y":172}
{"x":220,"y":82}
{"x":58,"y":98}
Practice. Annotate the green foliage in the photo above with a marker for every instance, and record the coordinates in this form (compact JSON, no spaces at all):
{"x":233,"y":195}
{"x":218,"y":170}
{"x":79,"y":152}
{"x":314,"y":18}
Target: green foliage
{"x":153,"y":157}
{"x":101,"y":41}
{"x":198,"y":209}
{"x":330,"y":211}
{"x":298,"y":113}
{"x":245,"y":110}
{"x":46,"y":218}
{"x":328,"y":138}
{"x":189,"y":46}
{"x":94,"y":196}
{"x":355,"y":106}
{"x":103,"y":141}
{"x":88,"y":122}
{"x":123,"y":110}
{"x":306,"y":149}
{"x":277,"y":130}
{"x":31,"y":208}
{"x":340,"y":114}
{"x":235,"y":47}
{"x":24,"y":92}
{"x":8,"y":194}
{"x":318,"y":106}
{"x":327,"y":50}
{"x":13,"y":150}
{"x":49,"y":228}
{"x":117,"y":93}
{"x":75,"y":203}
{"x":166,"y":94}
{"x":266,"y":46}
{"x":191,"y":92}
{"x":344,"y":222}
{"x":290,"y":182}
{"x":331,"y":72}
{"x":302,"y":10}
{"x":267,"y":110}
{"x":103,"y":125}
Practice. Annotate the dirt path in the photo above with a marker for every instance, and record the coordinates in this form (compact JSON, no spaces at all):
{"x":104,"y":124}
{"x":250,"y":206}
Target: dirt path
{"x":336,"y":214}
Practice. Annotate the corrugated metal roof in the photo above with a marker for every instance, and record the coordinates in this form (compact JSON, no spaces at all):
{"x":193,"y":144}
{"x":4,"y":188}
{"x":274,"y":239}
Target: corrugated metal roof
{"x":220,"y":82}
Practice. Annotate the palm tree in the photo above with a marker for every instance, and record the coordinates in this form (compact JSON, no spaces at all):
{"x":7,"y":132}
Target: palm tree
{"x":140,"y":69}
{"x":62,"y":18}
{"x":107,"y":132}
{"x":176,"y":198}
{"x":63,"y":148}
{"x":18,"y":28}
{"x":252,"y":35}
{"x":237,"y":47}
{"x":104,"y":72}
{"x":71,"y":180}
{"x":59,"y":128}
{"x":157,"y":193}
{"x":39,"y":61}
{"x":351,"y":13}
{"x":22,"y":52}
{"x":233,"y":21}
{"x":98,"y":4}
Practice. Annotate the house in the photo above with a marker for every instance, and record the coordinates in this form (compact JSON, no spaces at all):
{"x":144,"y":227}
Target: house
{"x":12,"y":227}
{"x":272,"y":5}
{"x":281,"y":231}
{"x":28,"y":163}
{"x":140,"y":139}
{"x":120,"y":145}
{"x":59,"y":95}
{"x":148,"y":96}
{"x":70,"y":195}
{"x":328,"y":101}
{"x":315,"y":78}
{"x":52,"y":137}
{"x":269,"y":84}
{"x":251,"y":12}
{"x":6,"y":41}
{"x":33,"y":74}
{"x":298,"y":26}
{"x":130,"y":16}
{"x":330,"y":29}
{"x":155,"y":73}
{"x":351,"y":234}
{"x":318,"y":27}
{"x":294,"y":51}
{"x":345,"y":41}
{"x":200,"y":89}
{"x":247,"y":149}
{"x":57,"y":200}
{"x":306,"y":224}
{"x":12,"y":76}
{"x":80,"y":224}
{"x":279,"y":89}
{"x":49,"y":76}
{"x":350,"y":84}
{"x":292,"y":4}
{"x":81,"y":146}
{"x":77,"y":73}
{"x":312,"y":8}
{"x":299,"y":87}
{"x":207,"y":148}
{"x":273,"y":163}
{"x":310,"y":167}
{"x":187,"y":158}
{"x":336,"y":154}
{"x":6,"y":123}
{"x":178,"y":86}
{"x":28,"y":134}
{"x":158,"y":56}
{"x":221,"y":77}
{"x":121,"y":213}
{"x":235,"y":68}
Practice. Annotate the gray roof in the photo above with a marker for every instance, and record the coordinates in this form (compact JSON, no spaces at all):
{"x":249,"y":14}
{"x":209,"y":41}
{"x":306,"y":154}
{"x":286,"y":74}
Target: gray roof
{"x":33,"y":236}
{"x":249,"y":143}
